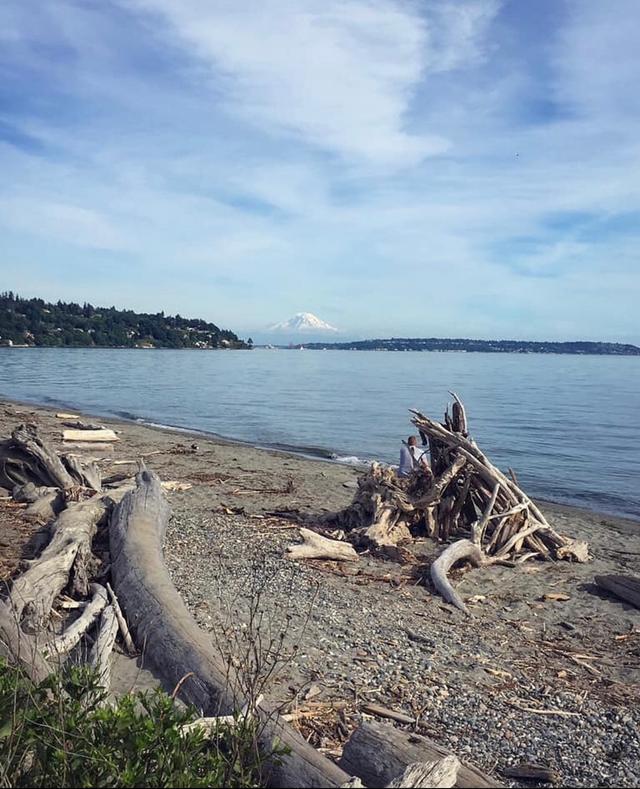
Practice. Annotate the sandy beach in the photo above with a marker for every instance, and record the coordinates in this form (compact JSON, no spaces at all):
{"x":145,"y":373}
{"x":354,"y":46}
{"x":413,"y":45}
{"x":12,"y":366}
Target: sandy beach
{"x":545,"y":672}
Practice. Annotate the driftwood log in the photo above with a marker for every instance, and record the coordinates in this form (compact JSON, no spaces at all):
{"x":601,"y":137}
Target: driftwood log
{"x":55,"y":488}
{"x":463,"y":498}
{"x":21,"y":648}
{"x":315,"y":546}
{"x":67,"y":558}
{"x":378,"y":753}
{"x":625,"y":587}
{"x":174,"y":645}
{"x":442,"y":774}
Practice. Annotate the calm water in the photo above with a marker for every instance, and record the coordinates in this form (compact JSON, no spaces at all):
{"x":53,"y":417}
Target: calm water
{"x":568,"y":425}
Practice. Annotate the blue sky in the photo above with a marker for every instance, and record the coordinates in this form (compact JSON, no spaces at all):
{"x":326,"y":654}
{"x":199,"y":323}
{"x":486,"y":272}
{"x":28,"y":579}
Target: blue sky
{"x":467,"y":168}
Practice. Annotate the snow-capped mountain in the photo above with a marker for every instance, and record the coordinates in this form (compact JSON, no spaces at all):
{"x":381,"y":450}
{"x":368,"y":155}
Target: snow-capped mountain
{"x":304,"y":322}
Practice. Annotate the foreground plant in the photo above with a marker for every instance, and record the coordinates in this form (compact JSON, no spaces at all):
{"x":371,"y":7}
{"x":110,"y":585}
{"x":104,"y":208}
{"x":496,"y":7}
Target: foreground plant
{"x":61,"y":732}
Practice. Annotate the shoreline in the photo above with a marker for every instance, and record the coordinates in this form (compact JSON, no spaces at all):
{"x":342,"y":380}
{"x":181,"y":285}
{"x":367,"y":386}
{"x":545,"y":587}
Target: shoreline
{"x":287,"y":451}
{"x":545,"y":671}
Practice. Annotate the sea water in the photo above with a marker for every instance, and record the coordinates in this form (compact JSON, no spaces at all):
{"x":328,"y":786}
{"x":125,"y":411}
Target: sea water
{"x":567,"y":425}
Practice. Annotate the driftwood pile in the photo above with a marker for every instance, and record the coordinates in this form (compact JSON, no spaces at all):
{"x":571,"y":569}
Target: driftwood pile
{"x":56,"y":609}
{"x":63,"y":607}
{"x":466,"y":499}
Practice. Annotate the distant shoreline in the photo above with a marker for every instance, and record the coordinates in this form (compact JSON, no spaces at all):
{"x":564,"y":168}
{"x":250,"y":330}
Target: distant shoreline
{"x":339,"y":347}
{"x":461,"y":345}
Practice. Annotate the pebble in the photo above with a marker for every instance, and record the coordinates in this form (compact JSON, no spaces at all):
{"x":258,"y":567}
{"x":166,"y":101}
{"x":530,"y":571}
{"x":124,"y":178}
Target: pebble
{"x":366,"y":639}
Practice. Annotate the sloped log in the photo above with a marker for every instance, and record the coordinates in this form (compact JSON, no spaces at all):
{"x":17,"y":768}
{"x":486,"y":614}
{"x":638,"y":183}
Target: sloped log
{"x":626,"y":587}
{"x":378,"y":753}
{"x":315,"y":546}
{"x":463,"y":549}
{"x":174,"y":645}
{"x":67,"y":558}
{"x":18,"y":648}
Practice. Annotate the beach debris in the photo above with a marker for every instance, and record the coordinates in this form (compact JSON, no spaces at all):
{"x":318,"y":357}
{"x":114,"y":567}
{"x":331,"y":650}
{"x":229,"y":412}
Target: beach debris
{"x":86,"y":436}
{"x":626,"y":587}
{"x":532,"y":772}
{"x":67,"y":416}
{"x":466,"y":501}
{"x":79,"y":425}
{"x":173,"y":485}
{"x":556,"y":597}
{"x":385,"y":712}
{"x":315,"y":546}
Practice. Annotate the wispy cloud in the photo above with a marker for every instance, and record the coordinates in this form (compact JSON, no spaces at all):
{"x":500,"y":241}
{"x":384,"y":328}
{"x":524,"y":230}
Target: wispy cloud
{"x":393,"y":166}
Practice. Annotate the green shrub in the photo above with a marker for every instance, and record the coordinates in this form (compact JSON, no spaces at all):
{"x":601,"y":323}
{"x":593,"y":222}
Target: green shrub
{"x":62,"y":733}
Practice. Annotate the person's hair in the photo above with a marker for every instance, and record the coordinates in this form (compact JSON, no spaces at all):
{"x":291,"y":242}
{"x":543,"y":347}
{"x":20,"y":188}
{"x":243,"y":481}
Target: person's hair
{"x":412,"y":440}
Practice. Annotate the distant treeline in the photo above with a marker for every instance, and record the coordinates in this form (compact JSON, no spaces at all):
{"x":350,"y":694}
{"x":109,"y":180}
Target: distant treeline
{"x":35,"y":322}
{"x":484,"y":346}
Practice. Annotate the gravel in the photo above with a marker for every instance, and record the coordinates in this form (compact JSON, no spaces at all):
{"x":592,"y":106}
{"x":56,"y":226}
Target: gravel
{"x":368,"y":636}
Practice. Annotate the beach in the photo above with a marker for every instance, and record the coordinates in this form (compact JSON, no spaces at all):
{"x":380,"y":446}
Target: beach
{"x":545,"y":672}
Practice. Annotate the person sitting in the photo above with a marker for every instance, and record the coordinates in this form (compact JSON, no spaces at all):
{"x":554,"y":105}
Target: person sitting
{"x":411,"y":457}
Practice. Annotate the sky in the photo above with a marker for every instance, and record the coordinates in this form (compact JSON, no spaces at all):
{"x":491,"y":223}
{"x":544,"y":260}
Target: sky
{"x":465,"y":168}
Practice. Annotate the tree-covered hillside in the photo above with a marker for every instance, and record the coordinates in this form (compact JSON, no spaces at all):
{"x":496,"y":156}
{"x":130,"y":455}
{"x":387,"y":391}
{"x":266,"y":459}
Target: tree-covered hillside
{"x":35,"y":322}
{"x":482,"y":346}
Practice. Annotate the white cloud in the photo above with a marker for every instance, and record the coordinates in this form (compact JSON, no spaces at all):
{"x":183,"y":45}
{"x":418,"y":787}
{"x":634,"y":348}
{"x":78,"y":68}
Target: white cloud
{"x":61,"y":221}
{"x":338,"y":74}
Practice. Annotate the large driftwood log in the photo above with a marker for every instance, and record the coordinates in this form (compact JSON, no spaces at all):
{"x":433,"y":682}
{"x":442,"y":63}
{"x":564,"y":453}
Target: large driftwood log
{"x":67,"y":557}
{"x":463,"y":549}
{"x":626,"y":587}
{"x":378,"y":753}
{"x":175,"y":646}
{"x":315,"y":546}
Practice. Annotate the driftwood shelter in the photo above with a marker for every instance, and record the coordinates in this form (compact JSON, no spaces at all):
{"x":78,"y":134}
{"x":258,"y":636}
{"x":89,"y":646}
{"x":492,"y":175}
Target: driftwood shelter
{"x":480,"y":514}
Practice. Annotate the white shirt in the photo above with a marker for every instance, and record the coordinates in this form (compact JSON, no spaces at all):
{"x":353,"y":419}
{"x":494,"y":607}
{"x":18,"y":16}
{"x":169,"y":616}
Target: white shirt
{"x":410,"y":456}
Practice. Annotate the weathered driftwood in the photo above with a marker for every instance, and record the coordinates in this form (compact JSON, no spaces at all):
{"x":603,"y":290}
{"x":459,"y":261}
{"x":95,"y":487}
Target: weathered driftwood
{"x":442,"y":774}
{"x":463,"y":549}
{"x":176,"y":648}
{"x":465,"y":497}
{"x":88,"y":473}
{"x":20,"y":648}
{"x":66,"y":559}
{"x":378,"y":753}
{"x":74,"y":632}
{"x":25,"y":457}
{"x":626,"y":587}
{"x":122,"y":622}
{"x":87,"y":436}
{"x":315,"y":546}
{"x":100,"y":654}
{"x":44,"y":503}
